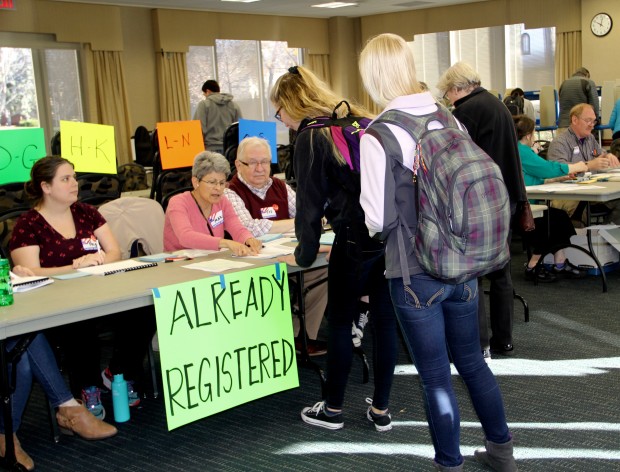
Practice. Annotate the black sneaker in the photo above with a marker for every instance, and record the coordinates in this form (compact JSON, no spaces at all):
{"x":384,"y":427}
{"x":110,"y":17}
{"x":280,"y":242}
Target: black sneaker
{"x":316,"y":416}
{"x":539,"y":274}
{"x":570,"y":271}
{"x":383,"y":422}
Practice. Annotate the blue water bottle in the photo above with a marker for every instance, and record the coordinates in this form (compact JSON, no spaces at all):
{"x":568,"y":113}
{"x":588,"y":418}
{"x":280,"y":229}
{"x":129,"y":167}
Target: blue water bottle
{"x":120,"y":399}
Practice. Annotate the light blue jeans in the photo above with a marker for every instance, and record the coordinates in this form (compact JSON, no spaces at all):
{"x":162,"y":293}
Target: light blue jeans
{"x":440,"y":320}
{"x":38,"y":360}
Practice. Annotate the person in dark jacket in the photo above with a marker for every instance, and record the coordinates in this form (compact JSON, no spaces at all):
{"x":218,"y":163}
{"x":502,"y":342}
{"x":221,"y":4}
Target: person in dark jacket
{"x":491,"y":127}
{"x":356,"y":267}
{"x":578,"y":88}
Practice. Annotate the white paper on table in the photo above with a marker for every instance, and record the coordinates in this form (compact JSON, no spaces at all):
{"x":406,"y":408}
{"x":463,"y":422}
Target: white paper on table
{"x":552,"y":188}
{"x":269,"y":251}
{"x":217,"y":265}
{"x":194,"y":253}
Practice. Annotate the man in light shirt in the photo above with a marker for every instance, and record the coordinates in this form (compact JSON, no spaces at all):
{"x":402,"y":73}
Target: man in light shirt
{"x":265,"y":205}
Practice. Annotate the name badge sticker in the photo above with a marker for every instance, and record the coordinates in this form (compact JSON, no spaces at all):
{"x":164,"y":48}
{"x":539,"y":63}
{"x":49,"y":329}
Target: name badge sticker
{"x":216,"y":219}
{"x":576,"y":150}
{"x":90,"y":244}
{"x":268,"y":212}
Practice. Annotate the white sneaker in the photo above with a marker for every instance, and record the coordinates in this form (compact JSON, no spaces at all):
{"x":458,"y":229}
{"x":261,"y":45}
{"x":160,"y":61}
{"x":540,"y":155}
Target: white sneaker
{"x":486,"y":353}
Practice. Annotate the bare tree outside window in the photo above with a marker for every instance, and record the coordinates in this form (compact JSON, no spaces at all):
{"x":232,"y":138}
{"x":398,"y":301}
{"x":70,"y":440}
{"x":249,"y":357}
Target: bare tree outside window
{"x":63,"y":86}
{"x":18,"y":96}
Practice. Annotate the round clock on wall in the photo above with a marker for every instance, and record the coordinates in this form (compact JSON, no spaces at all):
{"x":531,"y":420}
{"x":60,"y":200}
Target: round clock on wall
{"x":601,"y":24}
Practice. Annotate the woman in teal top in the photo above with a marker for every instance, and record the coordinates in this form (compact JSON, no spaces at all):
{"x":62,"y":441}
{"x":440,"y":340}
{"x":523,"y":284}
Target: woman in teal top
{"x":554,"y":229}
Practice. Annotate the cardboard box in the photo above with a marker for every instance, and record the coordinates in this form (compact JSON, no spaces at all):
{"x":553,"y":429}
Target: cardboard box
{"x":607,"y":254}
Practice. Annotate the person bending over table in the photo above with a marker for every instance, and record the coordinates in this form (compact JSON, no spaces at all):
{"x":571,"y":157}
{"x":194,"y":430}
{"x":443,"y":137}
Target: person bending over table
{"x":265,"y":205}
{"x":356,"y":263}
{"x":38,"y":361}
{"x":58,"y":236}
{"x":439,"y":320}
{"x":197,"y":219}
{"x":578,"y":144}
{"x":553,"y":230}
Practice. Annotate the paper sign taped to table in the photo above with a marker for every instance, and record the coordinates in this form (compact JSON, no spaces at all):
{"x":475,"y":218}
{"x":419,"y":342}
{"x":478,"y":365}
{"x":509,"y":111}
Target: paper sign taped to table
{"x":19,"y":149}
{"x":90,"y":147}
{"x":224,"y":341}
{"x":179,"y":142}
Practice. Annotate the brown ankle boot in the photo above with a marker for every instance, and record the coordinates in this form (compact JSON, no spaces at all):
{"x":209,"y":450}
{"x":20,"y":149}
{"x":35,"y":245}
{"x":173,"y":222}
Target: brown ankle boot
{"x":22,"y":457}
{"x":77,"y":419}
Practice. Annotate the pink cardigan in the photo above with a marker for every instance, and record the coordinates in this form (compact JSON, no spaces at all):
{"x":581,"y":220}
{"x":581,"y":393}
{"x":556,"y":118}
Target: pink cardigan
{"x":186,"y":228}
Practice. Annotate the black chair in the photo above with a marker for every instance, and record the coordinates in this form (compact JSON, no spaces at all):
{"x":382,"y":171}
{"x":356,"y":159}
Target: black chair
{"x":230,"y":145}
{"x":96,"y":189}
{"x":7,"y":222}
{"x":55,"y":144}
{"x":169,"y":181}
{"x":12,"y":196}
{"x":133,"y":177}
{"x":168,"y":196}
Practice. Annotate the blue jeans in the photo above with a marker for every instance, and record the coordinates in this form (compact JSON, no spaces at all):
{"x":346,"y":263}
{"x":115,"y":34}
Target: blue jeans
{"x":353,"y":273}
{"x":437,"y":318}
{"x":38,"y":360}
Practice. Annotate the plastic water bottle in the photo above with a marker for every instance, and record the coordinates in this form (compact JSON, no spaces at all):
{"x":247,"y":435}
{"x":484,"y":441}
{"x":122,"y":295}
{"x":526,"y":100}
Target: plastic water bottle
{"x":120,"y":400}
{"x":6,"y":287}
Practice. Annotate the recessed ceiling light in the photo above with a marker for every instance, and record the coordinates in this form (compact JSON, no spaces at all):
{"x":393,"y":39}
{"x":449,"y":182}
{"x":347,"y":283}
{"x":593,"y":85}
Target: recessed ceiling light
{"x":240,"y":1}
{"x":336,"y":5}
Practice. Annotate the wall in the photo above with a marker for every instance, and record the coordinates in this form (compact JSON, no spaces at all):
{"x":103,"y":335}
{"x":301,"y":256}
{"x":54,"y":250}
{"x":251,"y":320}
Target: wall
{"x":141,"y":33}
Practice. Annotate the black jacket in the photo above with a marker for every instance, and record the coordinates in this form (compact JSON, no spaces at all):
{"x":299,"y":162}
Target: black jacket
{"x":491,"y":126}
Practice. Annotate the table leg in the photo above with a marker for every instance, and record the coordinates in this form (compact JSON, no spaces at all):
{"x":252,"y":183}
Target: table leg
{"x":591,"y":249}
{"x":304,"y":358}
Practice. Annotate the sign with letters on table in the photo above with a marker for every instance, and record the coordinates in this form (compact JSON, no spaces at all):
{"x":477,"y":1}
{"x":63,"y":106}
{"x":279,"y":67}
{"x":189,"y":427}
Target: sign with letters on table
{"x":224,"y":341}
{"x":179,"y":142}
{"x":261,"y":129}
{"x":19,"y":150}
{"x":90,"y":147}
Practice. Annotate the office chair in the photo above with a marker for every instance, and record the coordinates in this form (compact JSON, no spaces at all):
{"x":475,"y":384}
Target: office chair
{"x":133,"y":177}
{"x":97,"y":189}
{"x":169,"y":181}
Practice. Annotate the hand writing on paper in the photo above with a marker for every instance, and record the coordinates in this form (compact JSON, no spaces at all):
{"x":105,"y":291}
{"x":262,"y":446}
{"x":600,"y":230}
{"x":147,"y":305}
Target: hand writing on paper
{"x":254,"y":244}
{"x":290,"y":259}
{"x":238,"y":249}
{"x":90,"y":259}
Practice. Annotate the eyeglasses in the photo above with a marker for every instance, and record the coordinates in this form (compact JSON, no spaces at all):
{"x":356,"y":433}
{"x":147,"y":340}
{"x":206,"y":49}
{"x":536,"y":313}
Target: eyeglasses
{"x":214,"y":183}
{"x":277,"y":115}
{"x":255,"y":164}
{"x":588,"y":121}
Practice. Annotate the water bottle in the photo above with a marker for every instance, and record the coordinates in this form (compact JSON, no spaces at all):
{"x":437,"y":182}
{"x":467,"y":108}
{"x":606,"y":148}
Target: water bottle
{"x":6,"y":287}
{"x":120,"y":399}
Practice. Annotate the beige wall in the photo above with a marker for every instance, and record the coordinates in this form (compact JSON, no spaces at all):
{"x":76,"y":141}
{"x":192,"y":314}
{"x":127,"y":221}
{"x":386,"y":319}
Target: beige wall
{"x":142,"y":33}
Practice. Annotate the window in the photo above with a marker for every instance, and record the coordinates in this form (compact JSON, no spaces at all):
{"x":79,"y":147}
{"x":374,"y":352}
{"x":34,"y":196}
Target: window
{"x":496,"y":53}
{"x":39,"y":83}
{"x":247,"y":70}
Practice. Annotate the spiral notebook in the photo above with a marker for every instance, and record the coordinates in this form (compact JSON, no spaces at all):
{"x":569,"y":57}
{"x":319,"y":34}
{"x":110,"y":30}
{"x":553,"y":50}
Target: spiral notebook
{"x":117,"y":267}
{"x":23,"y":284}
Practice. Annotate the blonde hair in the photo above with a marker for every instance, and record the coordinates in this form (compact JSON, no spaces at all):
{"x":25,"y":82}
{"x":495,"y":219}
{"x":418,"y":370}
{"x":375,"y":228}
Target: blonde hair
{"x":387,"y":68}
{"x":303,"y":95}
{"x":578,"y":110}
{"x":460,"y":76}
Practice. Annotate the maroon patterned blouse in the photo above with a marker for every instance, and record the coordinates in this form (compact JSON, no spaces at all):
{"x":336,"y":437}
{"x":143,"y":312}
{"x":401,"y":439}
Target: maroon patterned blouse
{"x":31,"y":229}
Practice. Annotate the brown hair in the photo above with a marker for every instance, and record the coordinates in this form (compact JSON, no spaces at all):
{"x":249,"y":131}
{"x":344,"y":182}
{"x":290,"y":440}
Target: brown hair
{"x":524,"y":125}
{"x":44,"y":170}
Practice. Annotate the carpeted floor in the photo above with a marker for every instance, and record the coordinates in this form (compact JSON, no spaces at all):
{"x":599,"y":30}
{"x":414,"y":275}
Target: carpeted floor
{"x":561,"y":391}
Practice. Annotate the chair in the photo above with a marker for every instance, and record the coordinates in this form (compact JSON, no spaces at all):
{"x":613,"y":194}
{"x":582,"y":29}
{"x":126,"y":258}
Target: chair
{"x":166,"y":199}
{"x":133,"y":177}
{"x":7,"y":222}
{"x":97,"y":189}
{"x":230,"y":144}
{"x":55,"y":144}
{"x":143,"y":146}
{"x":12,"y":196}
{"x":138,"y":224}
{"x":171,"y":180}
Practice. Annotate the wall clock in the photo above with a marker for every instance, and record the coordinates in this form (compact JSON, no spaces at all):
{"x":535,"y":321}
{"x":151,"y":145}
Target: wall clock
{"x":601,"y":24}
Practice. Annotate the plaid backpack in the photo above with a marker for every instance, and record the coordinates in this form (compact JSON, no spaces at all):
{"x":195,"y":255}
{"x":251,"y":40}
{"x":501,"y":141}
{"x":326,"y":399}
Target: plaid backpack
{"x":461,"y":200}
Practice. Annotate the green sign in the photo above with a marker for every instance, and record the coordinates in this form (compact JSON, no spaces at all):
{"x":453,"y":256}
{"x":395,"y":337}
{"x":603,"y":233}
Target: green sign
{"x":224,"y":341}
{"x":19,"y":150}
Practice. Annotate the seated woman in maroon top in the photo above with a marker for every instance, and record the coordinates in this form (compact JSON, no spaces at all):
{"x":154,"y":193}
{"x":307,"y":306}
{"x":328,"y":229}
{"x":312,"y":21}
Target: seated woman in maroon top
{"x":58,"y":236}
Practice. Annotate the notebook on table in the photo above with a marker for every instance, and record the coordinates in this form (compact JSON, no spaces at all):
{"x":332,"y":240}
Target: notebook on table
{"x":23,"y":284}
{"x":117,"y":267}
